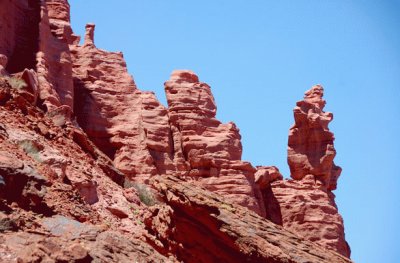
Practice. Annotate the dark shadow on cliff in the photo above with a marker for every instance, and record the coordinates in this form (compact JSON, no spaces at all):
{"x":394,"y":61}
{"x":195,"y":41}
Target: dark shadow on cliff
{"x":272,"y":208}
{"x":24,"y":55}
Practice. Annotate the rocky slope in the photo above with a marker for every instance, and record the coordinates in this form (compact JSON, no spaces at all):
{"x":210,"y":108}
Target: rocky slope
{"x":92,"y":169}
{"x":202,"y":227}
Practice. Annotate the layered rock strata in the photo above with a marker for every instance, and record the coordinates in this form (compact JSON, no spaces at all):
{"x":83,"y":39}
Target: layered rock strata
{"x":212,"y":149}
{"x":61,"y":239}
{"x":129,"y":125}
{"x":305,"y":204}
{"x":310,"y":145}
{"x":36,"y":35}
{"x":200,"y":226}
{"x":75,"y":129}
{"x":61,"y":200}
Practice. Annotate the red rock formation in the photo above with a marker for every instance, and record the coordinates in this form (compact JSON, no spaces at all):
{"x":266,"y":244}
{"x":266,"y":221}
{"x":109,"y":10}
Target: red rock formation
{"x":54,"y":65}
{"x":310,"y":143}
{"x":19,"y":31}
{"x":212,"y":149}
{"x":51,"y":87}
{"x":265,"y":175}
{"x":59,"y":164}
{"x":200,"y":226}
{"x":305,"y":205}
{"x":133,"y":128}
{"x":129,"y":125}
{"x":302,"y":207}
{"x":61,"y":239}
{"x":63,"y":179}
{"x":35,"y":35}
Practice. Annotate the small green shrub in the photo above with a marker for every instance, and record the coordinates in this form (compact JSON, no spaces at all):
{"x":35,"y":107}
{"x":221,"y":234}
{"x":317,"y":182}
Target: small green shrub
{"x":145,"y":195}
{"x":17,"y":83}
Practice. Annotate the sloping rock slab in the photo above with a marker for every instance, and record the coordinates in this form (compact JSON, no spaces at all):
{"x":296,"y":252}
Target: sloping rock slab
{"x":205,"y":228}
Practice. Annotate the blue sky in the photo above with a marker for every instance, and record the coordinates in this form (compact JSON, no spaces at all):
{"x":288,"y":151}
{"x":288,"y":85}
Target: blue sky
{"x":259,"y":57}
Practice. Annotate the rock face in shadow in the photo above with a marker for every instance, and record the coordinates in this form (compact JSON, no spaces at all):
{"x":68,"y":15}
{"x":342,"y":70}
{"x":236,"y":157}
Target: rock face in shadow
{"x":80,"y":141}
{"x":19,"y":33}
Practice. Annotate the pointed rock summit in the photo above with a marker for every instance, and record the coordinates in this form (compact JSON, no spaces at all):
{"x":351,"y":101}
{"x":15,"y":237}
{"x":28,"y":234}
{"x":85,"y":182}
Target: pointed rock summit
{"x":305,"y":204}
{"x":310,"y":144}
{"x":89,"y":34}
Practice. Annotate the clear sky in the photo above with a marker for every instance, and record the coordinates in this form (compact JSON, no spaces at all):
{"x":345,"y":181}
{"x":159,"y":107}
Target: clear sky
{"x":259,"y":57}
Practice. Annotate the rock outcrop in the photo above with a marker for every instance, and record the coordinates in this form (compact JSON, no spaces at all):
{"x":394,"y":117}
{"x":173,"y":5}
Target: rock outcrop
{"x":302,"y":207}
{"x":213,"y":150}
{"x":61,"y":239}
{"x":44,"y":166}
{"x":144,"y":139}
{"x":129,"y":125}
{"x":305,"y":204}
{"x":80,"y":146}
{"x":202,"y":227}
{"x":19,"y":33}
{"x":310,"y":146}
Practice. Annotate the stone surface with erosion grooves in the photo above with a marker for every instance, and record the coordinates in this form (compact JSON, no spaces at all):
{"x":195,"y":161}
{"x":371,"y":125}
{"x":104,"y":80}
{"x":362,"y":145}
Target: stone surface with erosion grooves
{"x":310,"y":145}
{"x":129,"y":125}
{"x":54,"y":65}
{"x":50,"y":168}
{"x":305,"y":204}
{"x":302,"y":207}
{"x":61,"y":239}
{"x":19,"y":22}
{"x":200,"y":226}
{"x":36,"y":36}
{"x":212,"y":149}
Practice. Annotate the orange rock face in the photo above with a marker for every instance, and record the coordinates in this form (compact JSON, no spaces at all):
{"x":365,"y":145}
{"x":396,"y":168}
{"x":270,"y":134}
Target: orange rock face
{"x":94,"y":169}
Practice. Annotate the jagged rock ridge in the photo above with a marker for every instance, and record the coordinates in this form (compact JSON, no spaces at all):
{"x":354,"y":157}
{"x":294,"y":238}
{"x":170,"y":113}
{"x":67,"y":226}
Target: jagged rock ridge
{"x":82,"y":130}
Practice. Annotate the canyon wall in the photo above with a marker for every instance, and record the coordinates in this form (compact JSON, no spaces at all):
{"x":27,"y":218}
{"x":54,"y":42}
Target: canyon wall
{"x":122,"y":136}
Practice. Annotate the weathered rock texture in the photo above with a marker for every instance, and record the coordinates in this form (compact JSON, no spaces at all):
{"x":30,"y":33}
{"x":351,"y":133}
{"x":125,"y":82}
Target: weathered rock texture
{"x":144,"y":139}
{"x":19,"y":33}
{"x":201,"y":227}
{"x":213,"y":150}
{"x":310,"y":146}
{"x":60,"y":239}
{"x":129,"y":125}
{"x":302,"y":207}
{"x":79,"y":141}
{"x":48,"y":170}
{"x":306,"y":205}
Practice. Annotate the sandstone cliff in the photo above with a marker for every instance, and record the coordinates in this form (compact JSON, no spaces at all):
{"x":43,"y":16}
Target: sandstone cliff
{"x":87,"y":160}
